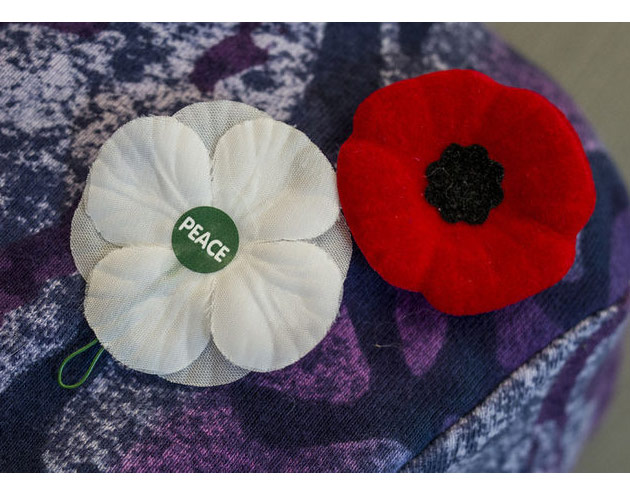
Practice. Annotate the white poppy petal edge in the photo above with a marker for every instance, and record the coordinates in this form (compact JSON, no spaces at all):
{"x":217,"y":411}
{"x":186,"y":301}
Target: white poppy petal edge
{"x":87,"y":246}
{"x":209,"y":369}
{"x":148,"y":310}
{"x":145,"y":176}
{"x":275,"y":304}
{"x":211,"y":120}
{"x":274,"y":182}
{"x":337,"y":242}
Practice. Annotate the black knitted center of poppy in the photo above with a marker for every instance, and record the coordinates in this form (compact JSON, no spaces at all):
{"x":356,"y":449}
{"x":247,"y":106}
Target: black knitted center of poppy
{"x":464,"y":184}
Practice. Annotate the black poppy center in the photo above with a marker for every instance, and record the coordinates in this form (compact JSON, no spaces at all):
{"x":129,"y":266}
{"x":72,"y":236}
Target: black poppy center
{"x":464,"y":184}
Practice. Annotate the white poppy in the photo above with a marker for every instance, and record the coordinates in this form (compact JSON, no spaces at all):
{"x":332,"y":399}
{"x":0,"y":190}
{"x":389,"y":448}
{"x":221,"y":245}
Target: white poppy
{"x":212,"y":244}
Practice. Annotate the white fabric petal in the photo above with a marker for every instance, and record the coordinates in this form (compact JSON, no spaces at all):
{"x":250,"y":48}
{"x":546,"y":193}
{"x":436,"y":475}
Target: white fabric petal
{"x":213,"y":119}
{"x":209,"y":369}
{"x":274,"y":182}
{"x":274,"y":304}
{"x":145,"y":177}
{"x":148,"y":310}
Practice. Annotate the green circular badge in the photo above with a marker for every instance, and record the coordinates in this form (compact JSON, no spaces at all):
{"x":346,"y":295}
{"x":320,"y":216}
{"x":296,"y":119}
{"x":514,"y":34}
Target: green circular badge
{"x":205,"y":239}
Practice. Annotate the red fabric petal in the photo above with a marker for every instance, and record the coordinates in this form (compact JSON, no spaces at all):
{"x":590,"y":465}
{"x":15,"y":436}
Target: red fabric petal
{"x":477,"y":269}
{"x":391,"y":222}
{"x":527,"y":243}
{"x":547,"y":174}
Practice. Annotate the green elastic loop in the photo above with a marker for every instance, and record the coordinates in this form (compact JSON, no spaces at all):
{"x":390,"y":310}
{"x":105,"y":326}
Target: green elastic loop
{"x":89,"y":370}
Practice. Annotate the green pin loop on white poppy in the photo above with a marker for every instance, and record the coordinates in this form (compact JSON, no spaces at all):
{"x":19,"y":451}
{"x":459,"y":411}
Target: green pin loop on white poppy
{"x":85,"y":376}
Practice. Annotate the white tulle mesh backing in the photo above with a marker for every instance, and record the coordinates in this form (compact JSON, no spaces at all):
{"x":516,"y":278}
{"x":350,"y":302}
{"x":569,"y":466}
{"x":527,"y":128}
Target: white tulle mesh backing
{"x":86,"y":244}
{"x":210,"y":121}
{"x":211,"y":368}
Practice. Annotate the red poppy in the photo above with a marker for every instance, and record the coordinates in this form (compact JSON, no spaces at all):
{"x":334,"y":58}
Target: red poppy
{"x":464,"y":189}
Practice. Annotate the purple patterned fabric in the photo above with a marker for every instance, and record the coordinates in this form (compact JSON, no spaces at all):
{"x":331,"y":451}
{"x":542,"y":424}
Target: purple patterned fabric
{"x":395,"y":383}
{"x":538,"y":418}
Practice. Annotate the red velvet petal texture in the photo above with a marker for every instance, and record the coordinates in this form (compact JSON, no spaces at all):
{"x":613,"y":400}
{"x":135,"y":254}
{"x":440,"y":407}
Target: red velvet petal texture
{"x":526,"y":245}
